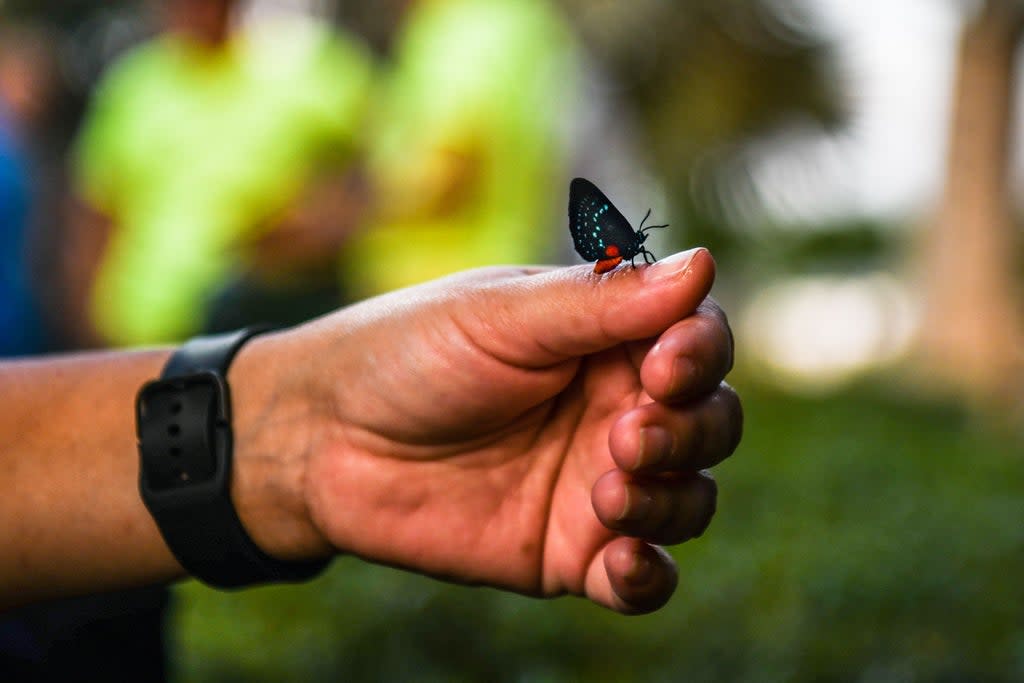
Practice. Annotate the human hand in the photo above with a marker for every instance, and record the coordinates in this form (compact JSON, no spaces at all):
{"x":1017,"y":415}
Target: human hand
{"x":537,"y":430}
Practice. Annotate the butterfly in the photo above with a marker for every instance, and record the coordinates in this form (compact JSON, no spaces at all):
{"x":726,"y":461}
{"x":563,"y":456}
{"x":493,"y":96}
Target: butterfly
{"x":600,"y":232}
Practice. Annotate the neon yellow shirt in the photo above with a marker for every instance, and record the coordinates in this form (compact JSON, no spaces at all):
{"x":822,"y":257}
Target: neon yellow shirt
{"x":189,"y":150}
{"x":478,"y":91}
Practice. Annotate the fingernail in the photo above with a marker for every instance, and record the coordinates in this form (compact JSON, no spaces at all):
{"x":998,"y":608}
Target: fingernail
{"x":656,"y":443}
{"x":672,"y":266}
{"x":711,"y":507}
{"x":636,"y":506}
{"x":705,"y":523}
{"x":684,"y":375}
{"x":639,"y":572}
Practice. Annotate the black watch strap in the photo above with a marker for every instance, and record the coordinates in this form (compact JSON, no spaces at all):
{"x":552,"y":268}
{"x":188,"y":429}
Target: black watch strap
{"x":185,"y":449}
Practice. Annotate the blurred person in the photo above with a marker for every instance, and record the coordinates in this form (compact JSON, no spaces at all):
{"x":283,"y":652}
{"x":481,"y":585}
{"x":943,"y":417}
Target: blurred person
{"x":469,"y":144}
{"x":210,"y":156}
{"x":540,"y":430}
{"x":23,"y":96}
{"x":44,"y":108}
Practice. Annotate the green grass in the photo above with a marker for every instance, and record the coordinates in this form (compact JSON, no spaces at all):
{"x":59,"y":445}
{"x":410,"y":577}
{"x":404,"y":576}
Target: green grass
{"x":862,"y":536}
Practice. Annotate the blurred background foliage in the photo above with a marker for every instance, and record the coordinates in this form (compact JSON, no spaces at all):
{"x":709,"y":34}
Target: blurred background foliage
{"x":862,"y":536}
{"x":706,"y":81}
{"x":870,"y":526}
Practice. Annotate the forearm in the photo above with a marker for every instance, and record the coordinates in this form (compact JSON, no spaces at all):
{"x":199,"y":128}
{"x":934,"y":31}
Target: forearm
{"x":71,"y":517}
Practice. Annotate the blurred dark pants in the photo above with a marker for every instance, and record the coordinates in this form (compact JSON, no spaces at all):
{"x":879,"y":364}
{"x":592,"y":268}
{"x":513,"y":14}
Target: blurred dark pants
{"x":108,"y":637}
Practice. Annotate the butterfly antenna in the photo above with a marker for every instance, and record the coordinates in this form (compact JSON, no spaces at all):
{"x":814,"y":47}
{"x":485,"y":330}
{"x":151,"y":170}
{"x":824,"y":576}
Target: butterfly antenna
{"x":646,"y":216}
{"x":649,"y":227}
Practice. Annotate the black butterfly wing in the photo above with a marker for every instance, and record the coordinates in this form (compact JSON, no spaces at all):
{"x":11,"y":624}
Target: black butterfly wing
{"x":596,"y":224}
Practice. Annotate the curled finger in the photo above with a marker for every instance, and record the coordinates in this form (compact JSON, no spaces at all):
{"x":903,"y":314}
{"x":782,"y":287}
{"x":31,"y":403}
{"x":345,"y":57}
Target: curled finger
{"x":656,"y":437}
{"x":691,"y":358}
{"x":664,"y":510}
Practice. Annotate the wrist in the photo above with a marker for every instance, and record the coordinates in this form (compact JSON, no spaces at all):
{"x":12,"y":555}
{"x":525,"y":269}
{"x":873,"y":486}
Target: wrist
{"x":275,"y":426}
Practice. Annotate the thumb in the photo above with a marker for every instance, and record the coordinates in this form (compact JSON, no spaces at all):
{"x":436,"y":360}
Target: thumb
{"x":553,"y":315}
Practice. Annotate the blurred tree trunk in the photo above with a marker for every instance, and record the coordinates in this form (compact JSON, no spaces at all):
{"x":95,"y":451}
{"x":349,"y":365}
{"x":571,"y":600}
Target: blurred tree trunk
{"x":972,"y":330}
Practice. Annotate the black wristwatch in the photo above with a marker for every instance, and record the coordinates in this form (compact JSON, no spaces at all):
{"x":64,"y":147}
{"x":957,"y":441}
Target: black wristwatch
{"x":185,"y":443}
